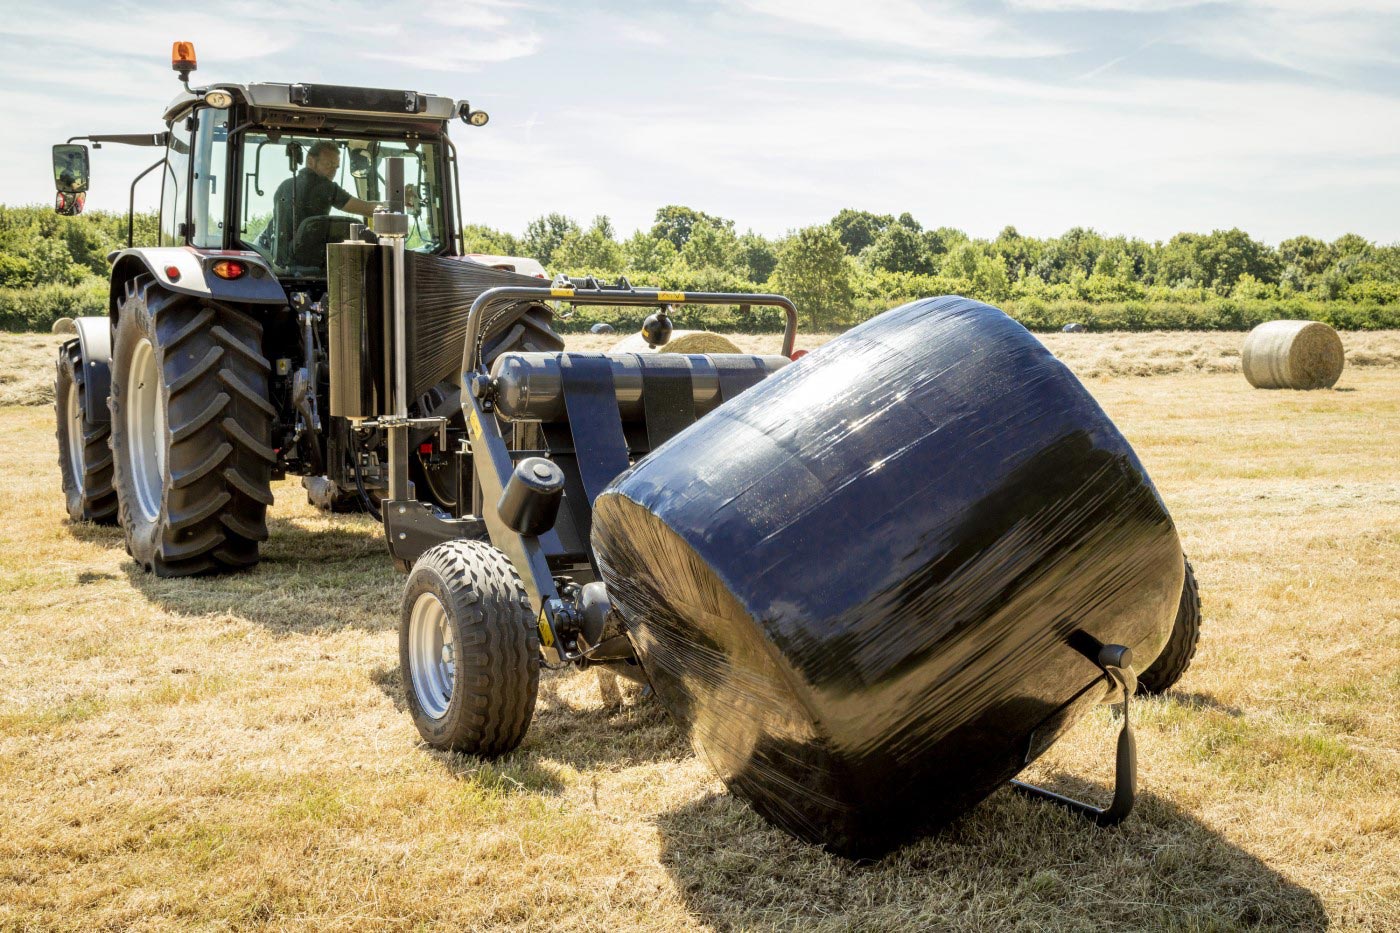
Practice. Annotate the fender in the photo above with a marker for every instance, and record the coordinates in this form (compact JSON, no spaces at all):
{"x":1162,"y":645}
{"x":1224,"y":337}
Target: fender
{"x":193,"y":275}
{"x":95,"y":345}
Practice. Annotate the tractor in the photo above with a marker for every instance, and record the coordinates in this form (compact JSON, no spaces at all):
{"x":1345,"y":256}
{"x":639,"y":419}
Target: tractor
{"x":206,"y":380}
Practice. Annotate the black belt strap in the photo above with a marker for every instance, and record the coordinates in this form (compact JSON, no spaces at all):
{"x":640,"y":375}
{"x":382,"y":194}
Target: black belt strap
{"x":668,"y":395}
{"x":737,"y":373}
{"x":590,"y":401}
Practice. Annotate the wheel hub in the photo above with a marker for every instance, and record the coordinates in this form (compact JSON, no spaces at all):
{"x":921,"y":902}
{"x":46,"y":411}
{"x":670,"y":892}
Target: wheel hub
{"x":145,"y":429}
{"x":76,"y":434}
{"x":431,"y":655}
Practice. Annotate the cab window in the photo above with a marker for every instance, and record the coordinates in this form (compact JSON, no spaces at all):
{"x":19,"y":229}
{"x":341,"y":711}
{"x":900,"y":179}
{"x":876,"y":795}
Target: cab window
{"x":175,"y":187}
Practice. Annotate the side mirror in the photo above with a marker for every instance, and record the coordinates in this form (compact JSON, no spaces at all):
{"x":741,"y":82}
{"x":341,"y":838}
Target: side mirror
{"x":70,"y":169}
{"x":69,"y":204}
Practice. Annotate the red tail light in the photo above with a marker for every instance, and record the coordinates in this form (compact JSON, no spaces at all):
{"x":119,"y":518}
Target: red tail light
{"x":798,"y":354}
{"x":172,"y":273}
{"x":229,"y":269}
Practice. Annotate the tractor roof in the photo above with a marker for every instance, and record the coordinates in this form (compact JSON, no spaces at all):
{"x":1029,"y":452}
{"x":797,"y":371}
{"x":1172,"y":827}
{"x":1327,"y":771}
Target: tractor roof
{"x":377,"y":104}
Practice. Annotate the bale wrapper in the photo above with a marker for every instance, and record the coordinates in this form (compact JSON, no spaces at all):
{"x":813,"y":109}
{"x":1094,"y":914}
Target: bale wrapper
{"x":873,"y":586}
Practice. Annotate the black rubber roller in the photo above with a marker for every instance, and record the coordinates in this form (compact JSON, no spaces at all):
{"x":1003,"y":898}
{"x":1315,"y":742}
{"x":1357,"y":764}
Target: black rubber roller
{"x":875,"y":586}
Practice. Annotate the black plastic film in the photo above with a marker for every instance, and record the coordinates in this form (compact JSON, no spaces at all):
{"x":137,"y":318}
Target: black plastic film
{"x":870,"y":586}
{"x":668,"y":396}
{"x":439,"y":291}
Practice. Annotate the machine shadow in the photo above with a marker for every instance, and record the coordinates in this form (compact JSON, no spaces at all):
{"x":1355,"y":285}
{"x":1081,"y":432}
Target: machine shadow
{"x":1010,"y":863}
{"x":571,"y":726}
{"x":313,"y":577}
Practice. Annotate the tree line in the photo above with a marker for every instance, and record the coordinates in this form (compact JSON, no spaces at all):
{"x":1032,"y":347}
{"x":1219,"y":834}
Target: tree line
{"x":838,"y":273}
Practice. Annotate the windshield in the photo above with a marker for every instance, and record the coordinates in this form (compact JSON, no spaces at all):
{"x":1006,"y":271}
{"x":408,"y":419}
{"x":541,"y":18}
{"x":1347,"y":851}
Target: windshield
{"x":302,"y":192}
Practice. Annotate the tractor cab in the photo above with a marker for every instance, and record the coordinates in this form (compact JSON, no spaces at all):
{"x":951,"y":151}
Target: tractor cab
{"x":281,"y":170}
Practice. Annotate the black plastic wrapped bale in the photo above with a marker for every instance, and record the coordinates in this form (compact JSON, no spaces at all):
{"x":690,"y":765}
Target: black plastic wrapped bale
{"x":870,"y":586}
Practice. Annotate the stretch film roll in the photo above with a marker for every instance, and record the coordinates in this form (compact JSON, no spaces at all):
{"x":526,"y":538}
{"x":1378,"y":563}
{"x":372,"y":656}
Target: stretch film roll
{"x":869,"y":587}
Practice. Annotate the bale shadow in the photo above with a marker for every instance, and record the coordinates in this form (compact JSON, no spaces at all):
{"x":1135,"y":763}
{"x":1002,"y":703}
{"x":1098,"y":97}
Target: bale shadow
{"x":1010,"y":863}
{"x":309,"y":580}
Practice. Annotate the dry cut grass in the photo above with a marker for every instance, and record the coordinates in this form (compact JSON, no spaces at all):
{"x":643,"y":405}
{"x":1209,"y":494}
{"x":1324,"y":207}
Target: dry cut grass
{"x":234,"y":752}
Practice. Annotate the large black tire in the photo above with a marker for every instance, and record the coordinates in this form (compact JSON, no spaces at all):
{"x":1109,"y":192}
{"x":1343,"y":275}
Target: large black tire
{"x":84,"y":457}
{"x":194,"y":494}
{"x":1176,"y":657}
{"x":464,"y":604}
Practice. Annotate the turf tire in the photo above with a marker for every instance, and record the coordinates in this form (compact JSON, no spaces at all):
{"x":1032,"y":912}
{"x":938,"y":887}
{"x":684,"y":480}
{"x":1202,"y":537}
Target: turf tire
{"x":496,"y":657}
{"x":216,"y":471}
{"x":87,"y":477}
{"x":1176,"y":657}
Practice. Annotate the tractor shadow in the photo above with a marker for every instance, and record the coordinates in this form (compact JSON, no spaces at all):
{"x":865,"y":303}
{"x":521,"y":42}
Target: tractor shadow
{"x":316,"y":575}
{"x":1010,"y":863}
{"x":581,"y":720}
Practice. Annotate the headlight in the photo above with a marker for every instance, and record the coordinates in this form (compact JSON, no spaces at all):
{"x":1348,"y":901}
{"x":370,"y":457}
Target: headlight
{"x":220,"y":99}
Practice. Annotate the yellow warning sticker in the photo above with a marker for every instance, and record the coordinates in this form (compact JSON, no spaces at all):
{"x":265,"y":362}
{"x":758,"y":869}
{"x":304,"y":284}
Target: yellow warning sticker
{"x":671,"y":296}
{"x":546,"y":635}
{"x":561,"y":292}
{"x":475,"y":422}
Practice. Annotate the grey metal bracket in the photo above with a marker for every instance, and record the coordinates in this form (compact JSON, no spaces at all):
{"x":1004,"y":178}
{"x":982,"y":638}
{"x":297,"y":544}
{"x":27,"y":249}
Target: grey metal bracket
{"x":1116,"y":662}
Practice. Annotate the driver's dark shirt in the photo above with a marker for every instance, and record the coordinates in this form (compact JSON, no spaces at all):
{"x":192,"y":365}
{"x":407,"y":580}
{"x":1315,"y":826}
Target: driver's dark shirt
{"x":305,"y":194}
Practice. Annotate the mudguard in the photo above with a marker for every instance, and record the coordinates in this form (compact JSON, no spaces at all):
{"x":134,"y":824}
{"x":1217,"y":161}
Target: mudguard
{"x":95,"y":342}
{"x":194,"y":275}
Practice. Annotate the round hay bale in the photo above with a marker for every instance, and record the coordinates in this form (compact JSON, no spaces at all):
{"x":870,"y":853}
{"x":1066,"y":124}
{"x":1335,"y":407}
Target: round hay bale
{"x":601,"y":328}
{"x":1292,"y":355}
{"x":682,"y":341}
{"x":1073,"y":327}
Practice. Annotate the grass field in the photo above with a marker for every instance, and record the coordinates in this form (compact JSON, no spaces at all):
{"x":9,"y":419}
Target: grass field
{"x":234,"y":752}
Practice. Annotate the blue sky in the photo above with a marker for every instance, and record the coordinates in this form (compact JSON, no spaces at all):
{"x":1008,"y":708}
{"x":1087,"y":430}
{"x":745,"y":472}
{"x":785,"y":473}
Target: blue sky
{"x":1134,"y":117}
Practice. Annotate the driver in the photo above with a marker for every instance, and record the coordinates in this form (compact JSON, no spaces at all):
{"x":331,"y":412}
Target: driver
{"x":312,"y":193}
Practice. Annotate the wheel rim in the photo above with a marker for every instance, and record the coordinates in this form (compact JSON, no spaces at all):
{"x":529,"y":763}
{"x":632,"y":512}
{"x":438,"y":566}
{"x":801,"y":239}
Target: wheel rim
{"x":75,"y":434}
{"x":431,"y":655}
{"x":145,"y":430}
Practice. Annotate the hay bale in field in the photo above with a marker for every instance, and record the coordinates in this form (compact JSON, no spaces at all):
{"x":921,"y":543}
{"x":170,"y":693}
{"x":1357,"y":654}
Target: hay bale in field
{"x":682,"y":341}
{"x":1073,"y":327}
{"x":1292,"y":355}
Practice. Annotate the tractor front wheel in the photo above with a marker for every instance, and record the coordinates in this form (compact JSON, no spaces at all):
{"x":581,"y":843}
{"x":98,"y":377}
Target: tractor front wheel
{"x":191,"y":431}
{"x":468,"y":649}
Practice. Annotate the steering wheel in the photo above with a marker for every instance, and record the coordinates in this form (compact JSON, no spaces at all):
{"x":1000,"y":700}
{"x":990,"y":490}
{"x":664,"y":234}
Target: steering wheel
{"x":313,"y":233}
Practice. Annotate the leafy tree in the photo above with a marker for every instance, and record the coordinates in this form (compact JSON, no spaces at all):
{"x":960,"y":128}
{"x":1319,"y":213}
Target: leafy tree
{"x":674,"y":222}
{"x":711,"y":247}
{"x":1308,"y":255}
{"x":646,"y":253}
{"x":859,"y":229}
{"x":899,"y":249}
{"x":757,"y":257}
{"x":593,"y":250}
{"x":480,"y":239}
{"x":545,"y":234}
{"x":815,"y":272}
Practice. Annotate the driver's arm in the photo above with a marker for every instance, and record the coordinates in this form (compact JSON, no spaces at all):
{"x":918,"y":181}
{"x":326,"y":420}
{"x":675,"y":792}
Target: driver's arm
{"x":354,"y":205}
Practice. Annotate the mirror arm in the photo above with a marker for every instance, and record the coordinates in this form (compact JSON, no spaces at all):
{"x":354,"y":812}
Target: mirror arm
{"x":126,"y":139}
{"x":131,"y":204}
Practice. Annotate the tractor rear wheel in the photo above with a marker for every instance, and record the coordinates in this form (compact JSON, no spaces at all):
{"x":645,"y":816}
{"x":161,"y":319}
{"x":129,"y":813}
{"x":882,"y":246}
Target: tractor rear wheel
{"x":84,"y":458}
{"x":1175,"y":658}
{"x":191,"y":431}
{"x":468,"y":649}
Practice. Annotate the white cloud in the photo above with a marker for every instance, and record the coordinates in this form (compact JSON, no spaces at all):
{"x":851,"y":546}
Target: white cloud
{"x":946,"y":28}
